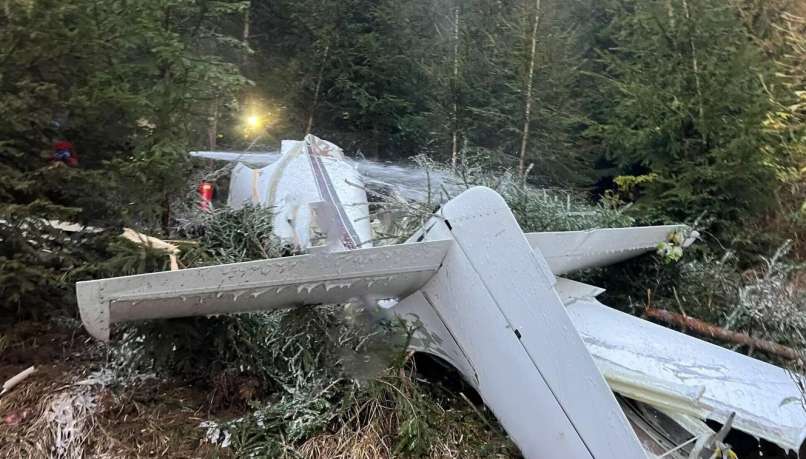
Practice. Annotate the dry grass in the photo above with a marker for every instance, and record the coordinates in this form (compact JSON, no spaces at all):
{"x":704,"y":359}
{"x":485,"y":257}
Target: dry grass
{"x":69,"y":410}
{"x":396,"y":415}
{"x":21,"y":408}
{"x":371,"y":440}
{"x":152,"y":420}
{"x":376,"y":438}
{"x":45,"y":418}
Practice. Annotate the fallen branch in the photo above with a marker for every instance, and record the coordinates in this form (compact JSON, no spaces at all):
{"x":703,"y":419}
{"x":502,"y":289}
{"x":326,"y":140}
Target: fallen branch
{"x":138,"y":238}
{"x":11,"y":383}
{"x":150,"y":241}
{"x":720,"y":334}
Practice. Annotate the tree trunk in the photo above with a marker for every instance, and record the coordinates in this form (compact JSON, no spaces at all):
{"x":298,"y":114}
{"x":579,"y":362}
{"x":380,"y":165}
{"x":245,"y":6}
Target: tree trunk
{"x":454,"y":89}
{"x":212,"y":127}
{"x":245,"y":36}
{"x":315,"y":103}
{"x":527,"y":110}
{"x":670,"y":13}
{"x":696,"y":69}
{"x":245,"y":54}
{"x":702,"y":328}
{"x":166,"y":214}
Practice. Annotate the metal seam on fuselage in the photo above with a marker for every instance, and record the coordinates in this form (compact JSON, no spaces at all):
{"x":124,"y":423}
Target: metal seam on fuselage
{"x":508,"y":320}
{"x":327,"y":192}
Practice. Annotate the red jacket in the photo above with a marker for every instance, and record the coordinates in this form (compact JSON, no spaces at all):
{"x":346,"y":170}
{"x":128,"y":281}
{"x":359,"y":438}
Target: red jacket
{"x":64,"y":151}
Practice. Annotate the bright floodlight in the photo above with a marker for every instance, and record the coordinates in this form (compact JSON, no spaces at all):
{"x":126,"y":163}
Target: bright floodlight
{"x":253,"y":121}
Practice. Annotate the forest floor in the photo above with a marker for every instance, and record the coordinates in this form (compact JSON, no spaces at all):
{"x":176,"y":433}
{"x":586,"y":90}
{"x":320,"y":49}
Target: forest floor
{"x":68,"y":408}
{"x":80,"y":404}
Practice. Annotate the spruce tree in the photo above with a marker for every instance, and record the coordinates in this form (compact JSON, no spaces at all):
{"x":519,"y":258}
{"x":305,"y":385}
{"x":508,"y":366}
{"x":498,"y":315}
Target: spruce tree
{"x":679,"y":110}
{"x":123,"y":82}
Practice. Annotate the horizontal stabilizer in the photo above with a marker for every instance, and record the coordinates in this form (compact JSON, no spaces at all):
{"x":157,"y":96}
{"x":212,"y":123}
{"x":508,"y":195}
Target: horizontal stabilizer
{"x":375,"y":273}
{"x":568,"y":251}
{"x":570,"y":290}
{"x":253,"y":158}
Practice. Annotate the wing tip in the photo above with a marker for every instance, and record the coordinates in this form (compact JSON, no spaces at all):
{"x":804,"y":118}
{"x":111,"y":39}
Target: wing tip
{"x":93,"y":310}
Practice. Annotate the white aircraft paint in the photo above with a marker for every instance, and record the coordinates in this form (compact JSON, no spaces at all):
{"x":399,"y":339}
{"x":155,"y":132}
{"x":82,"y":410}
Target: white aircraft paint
{"x":489,"y":303}
{"x":308,"y":171}
{"x":659,"y":366}
{"x":529,"y":364}
{"x":496,"y":296}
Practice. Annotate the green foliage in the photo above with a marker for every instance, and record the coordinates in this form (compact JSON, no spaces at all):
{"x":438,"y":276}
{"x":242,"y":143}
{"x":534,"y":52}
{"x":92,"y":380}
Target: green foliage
{"x":786,"y":122}
{"x":491,"y":92}
{"x":201,"y":346}
{"x":129,"y":84}
{"x":120,"y":80}
{"x":682,"y":99}
{"x":545,"y":210}
{"x":343,"y":63}
{"x":285,"y":349}
{"x":379,"y":77}
{"x":537,"y":209}
{"x":233,"y":235}
{"x":282,"y":347}
{"x":764,"y":302}
{"x":40,"y":263}
{"x":391,"y":413}
{"x":302,"y":357}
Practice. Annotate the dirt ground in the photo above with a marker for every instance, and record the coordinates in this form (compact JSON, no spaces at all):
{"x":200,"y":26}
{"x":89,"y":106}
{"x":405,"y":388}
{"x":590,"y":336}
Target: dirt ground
{"x":56,"y":412}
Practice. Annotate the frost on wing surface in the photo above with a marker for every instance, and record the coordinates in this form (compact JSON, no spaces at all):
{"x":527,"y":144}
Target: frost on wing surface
{"x":649,"y":362}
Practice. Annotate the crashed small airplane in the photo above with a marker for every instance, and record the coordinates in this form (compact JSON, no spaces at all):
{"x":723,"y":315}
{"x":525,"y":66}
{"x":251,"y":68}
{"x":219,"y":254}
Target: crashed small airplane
{"x":566,"y":376}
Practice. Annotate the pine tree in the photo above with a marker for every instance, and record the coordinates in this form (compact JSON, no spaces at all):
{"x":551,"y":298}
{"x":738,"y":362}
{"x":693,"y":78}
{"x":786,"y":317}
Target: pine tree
{"x":680,"y":110}
{"x":346,"y":69}
{"x":779,"y":27}
{"x":521,"y":101}
{"x":123,"y":82}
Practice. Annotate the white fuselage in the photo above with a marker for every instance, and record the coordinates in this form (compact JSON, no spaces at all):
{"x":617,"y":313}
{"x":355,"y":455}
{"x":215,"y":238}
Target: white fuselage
{"x":309,"y":173}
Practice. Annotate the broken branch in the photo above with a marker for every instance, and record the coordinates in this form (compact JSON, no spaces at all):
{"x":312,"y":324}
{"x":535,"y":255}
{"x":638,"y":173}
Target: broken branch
{"x":150,"y":241}
{"x":718,"y":333}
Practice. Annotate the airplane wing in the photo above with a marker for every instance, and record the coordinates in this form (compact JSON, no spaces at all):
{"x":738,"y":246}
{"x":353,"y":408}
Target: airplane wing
{"x":650,"y":363}
{"x":257,"y":159}
{"x":684,"y":375}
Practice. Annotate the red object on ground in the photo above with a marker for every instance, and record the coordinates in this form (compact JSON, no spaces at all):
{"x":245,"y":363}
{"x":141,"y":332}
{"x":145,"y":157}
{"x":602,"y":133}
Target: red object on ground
{"x":16,"y":417}
{"x":205,"y":195}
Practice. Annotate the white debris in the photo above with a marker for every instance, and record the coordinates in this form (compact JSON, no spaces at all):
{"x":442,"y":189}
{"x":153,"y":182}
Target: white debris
{"x":216,"y":434}
{"x":68,"y":420}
